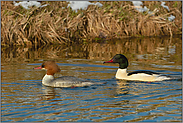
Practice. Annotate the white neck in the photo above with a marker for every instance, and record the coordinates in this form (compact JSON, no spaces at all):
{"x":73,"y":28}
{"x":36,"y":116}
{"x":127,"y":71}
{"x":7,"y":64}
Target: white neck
{"x":121,"y":73}
{"x":47,"y":79}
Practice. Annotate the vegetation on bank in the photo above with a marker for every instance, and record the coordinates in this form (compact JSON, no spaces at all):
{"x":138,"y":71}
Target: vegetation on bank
{"x":56,"y":23}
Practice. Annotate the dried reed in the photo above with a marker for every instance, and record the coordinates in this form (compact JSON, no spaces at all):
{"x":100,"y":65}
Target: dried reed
{"x":116,"y":19}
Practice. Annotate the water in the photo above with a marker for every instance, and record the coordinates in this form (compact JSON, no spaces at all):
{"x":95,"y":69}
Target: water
{"x":24,"y":98}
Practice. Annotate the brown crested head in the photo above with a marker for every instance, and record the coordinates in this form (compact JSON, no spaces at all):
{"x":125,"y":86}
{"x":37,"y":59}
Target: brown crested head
{"x":51,"y":67}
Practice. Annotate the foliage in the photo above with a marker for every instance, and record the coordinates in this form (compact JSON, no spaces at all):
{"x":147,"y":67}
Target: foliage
{"x":56,"y":23}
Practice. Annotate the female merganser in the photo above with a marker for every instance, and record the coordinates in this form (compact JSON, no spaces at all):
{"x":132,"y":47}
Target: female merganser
{"x":141,"y":75}
{"x":64,"y":81}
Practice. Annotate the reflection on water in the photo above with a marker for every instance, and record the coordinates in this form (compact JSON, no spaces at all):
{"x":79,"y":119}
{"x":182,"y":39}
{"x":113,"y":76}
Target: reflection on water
{"x":24,"y":98}
{"x":154,"y":49}
{"x":48,"y":92}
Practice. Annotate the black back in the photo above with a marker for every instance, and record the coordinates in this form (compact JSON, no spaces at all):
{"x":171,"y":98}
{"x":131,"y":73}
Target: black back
{"x":142,"y":71}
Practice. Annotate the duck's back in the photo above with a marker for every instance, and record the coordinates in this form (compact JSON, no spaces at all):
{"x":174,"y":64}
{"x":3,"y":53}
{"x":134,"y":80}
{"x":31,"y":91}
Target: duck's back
{"x":70,"y":81}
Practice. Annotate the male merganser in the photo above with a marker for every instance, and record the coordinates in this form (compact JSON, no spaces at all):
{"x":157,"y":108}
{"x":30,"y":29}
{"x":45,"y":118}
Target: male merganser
{"x":64,"y":81}
{"x":141,"y":75}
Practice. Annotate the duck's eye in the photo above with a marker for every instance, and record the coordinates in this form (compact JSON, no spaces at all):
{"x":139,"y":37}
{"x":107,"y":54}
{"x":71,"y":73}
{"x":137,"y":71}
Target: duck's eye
{"x":42,"y":66}
{"x":117,"y":58}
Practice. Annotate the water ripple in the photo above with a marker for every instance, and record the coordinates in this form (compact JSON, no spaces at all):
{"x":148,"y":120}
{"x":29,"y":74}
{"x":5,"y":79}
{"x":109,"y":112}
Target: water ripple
{"x":28,"y":100}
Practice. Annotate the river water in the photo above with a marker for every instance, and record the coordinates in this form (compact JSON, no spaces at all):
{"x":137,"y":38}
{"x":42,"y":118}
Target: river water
{"x":24,"y":98}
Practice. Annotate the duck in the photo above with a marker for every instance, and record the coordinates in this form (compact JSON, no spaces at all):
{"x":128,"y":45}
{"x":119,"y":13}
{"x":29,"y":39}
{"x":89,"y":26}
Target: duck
{"x":139,"y":75}
{"x":64,"y":81}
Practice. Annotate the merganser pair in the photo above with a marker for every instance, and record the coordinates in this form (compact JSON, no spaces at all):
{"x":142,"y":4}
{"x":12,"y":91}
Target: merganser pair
{"x":141,"y":75}
{"x":70,"y":81}
{"x":64,"y":81}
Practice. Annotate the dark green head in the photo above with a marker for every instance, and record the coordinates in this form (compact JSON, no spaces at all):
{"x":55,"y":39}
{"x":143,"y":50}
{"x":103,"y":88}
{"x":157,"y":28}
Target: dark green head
{"x":120,"y":59}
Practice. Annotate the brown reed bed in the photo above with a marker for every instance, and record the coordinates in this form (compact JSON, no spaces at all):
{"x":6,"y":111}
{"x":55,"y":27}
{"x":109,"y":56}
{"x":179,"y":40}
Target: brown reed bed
{"x":54,"y":24}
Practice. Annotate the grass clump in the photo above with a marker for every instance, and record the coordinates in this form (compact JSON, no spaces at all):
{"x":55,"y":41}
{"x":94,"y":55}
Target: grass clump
{"x":57,"y":24}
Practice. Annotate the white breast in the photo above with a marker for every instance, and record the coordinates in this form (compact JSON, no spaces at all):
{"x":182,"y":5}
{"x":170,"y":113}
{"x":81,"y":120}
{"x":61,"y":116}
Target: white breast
{"x":47,"y":79}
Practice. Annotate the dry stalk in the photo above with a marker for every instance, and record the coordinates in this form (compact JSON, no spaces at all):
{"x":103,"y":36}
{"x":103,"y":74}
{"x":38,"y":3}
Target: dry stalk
{"x":53,"y":24}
